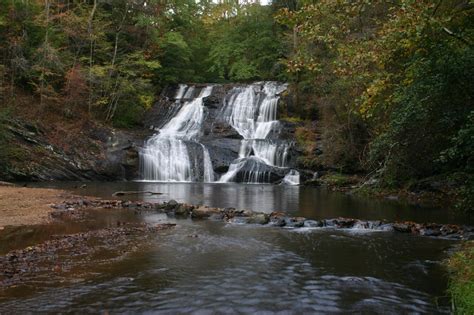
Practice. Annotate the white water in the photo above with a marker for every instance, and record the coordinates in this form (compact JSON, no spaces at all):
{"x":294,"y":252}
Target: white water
{"x":208,"y":170}
{"x":181,"y":90}
{"x":292,"y":178}
{"x":252,"y":112}
{"x":165,"y":156}
{"x":171,"y":155}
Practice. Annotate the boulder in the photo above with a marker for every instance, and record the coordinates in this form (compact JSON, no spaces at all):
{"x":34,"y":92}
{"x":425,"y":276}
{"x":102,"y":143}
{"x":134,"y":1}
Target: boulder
{"x":296,"y":222}
{"x":258,"y":218}
{"x":204,"y":212}
{"x":171,"y":205}
{"x":402,"y":227}
{"x":183,"y":210}
{"x":278,"y":218}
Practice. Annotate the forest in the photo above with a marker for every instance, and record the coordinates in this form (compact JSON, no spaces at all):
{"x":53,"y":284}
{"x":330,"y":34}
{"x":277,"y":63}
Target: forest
{"x":389,"y":82}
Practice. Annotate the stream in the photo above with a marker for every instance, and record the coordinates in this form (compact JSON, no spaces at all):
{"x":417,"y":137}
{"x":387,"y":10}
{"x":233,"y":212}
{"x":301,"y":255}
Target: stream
{"x":207,"y":267}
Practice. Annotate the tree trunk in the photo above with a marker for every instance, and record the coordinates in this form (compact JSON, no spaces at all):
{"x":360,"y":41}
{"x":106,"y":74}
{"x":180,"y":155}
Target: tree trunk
{"x":91,"y":51}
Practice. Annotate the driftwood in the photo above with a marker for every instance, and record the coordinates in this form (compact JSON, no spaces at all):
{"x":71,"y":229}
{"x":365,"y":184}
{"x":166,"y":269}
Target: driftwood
{"x":123,"y":193}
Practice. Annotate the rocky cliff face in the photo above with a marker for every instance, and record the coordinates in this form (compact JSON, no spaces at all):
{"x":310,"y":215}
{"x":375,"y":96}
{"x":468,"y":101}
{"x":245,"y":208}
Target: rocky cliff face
{"x":92,"y":152}
{"x":96,"y":152}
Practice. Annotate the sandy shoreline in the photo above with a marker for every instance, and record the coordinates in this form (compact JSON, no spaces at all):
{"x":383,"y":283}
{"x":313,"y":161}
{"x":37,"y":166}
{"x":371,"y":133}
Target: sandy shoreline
{"x":25,"y":206}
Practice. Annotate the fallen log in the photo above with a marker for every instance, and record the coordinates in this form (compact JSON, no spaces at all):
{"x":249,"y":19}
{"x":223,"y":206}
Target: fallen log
{"x":123,"y":193}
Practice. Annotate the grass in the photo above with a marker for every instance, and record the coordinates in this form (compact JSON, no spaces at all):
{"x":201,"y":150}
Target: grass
{"x":461,"y":284}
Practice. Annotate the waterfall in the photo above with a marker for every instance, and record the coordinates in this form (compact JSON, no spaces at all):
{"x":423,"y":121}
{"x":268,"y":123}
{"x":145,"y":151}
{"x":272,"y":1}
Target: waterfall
{"x":166,"y":159}
{"x":181,"y":91}
{"x":292,"y":178}
{"x":208,"y":170}
{"x":165,"y":156}
{"x":184,"y":148}
{"x":252,"y":112}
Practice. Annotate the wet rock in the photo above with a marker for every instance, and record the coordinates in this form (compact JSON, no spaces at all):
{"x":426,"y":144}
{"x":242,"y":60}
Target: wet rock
{"x":74,"y":208}
{"x":278,"y":219}
{"x":183,"y":210}
{"x":204,"y":212}
{"x":250,"y":164}
{"x":449,"y":229}
{"x":216,"y":216}
{"x":345,"y":223}
{"x":246,"y":213}
{"x":258,"y":218}
{"x":159,"y":207}
{"x":330,"y":222}
{"x":222,"y":152}
{"x":229,"y":213}
{"x":171,"y":205}
{"x":402,"y":227}
{"x":296,"y":222}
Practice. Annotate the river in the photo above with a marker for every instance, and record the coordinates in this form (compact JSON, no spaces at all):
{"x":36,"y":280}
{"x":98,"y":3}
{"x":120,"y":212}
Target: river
{"x":206,"y":267}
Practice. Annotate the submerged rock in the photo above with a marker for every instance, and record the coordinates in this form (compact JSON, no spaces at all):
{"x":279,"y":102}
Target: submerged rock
{"x":74,"y":209}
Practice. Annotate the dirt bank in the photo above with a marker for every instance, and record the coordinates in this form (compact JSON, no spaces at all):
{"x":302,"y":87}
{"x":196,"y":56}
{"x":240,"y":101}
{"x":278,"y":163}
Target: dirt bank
{"x":25,"y":206}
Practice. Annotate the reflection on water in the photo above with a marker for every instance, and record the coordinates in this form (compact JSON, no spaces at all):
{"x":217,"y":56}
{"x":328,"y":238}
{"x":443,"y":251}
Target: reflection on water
{"x":204,"y":267}
{"x":310,"y":202}
{"x":246,"y":269}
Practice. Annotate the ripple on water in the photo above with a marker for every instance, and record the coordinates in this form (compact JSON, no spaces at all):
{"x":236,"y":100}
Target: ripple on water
{"x":229,"y":270}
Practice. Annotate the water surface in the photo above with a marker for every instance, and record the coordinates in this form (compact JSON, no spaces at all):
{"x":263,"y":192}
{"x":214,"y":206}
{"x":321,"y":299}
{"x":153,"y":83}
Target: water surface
{"x":310,"y":202}
{"x":205,"y":267}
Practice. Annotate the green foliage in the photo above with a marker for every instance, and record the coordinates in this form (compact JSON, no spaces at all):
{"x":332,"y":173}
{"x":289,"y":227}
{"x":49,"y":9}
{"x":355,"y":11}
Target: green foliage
{"x":245,"y":47}
{"x":428,"y":108}
{"x":460,"y":156}
{"x":460,"y":153}
{"x":176,"y":55}
{"x":110,"y":58}
{"x":461,"y":285}
{"x":392,"y":82}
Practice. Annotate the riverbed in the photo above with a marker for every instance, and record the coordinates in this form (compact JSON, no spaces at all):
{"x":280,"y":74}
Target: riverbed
{"x":208,"y":267}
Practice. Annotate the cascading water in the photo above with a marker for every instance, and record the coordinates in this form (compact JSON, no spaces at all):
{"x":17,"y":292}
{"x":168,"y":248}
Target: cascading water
{"x":208,"y":171}
{"x":181,"y":150}
{"x":252,"y":111}
{"x":165,"y":156}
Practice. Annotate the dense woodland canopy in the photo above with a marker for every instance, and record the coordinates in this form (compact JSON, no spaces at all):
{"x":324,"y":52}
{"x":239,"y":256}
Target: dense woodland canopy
{"x":389,"y":83}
